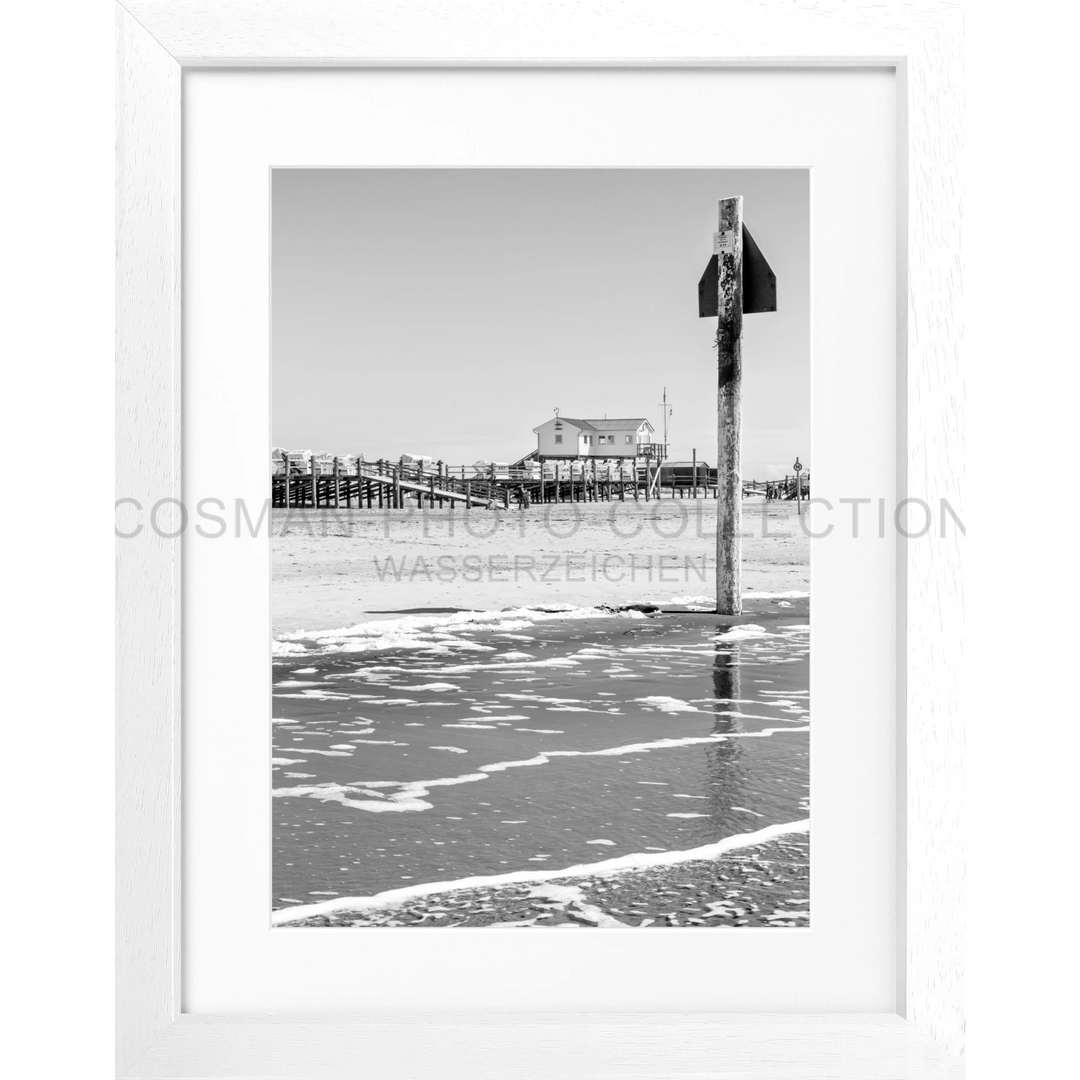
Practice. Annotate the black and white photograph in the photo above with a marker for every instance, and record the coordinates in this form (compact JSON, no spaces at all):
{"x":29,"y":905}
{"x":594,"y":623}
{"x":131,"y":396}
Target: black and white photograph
{"x":526,"y":416}
{"x":541,"y":491}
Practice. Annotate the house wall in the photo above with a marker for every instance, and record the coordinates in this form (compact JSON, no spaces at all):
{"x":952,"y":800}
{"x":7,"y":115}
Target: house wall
{"x":618,"y":447}
{"x":546,"y":445}
{"x":574,"y":442}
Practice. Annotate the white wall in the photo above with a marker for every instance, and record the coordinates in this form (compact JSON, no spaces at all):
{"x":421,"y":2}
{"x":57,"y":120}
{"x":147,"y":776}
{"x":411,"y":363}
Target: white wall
{"x":545,"y":440}
{"x":572,"y":444}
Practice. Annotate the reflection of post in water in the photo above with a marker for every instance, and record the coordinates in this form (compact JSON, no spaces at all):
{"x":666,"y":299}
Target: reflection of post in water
{"x":727,"y":682}
{"x":724,"y":768}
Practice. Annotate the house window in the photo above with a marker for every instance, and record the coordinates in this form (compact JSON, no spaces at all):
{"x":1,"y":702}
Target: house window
{"x":558,"y":438}
{"x":629,"y":438}
{"x":588,"y":439}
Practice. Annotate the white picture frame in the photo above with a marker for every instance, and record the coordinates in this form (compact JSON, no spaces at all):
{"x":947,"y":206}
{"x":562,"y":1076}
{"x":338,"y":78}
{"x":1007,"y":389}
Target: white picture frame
{"x":156,"y":40}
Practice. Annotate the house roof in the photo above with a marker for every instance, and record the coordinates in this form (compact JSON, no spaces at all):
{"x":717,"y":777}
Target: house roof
{"x":617,"y":425}
{"x":633,"y":422}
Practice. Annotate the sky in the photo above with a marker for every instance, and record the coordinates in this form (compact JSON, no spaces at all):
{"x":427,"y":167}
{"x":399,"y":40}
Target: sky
{"x":449,"y":312}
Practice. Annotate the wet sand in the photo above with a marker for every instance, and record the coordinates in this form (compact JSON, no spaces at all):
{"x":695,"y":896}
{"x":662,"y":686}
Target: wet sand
{"x":412,"y":764}
{"x":764,"y":886}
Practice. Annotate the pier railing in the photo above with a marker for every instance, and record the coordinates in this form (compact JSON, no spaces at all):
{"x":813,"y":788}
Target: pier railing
{"x":347,"y":482}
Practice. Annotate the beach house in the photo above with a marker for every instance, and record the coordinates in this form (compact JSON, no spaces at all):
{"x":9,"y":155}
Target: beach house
{"x":563,"y":437}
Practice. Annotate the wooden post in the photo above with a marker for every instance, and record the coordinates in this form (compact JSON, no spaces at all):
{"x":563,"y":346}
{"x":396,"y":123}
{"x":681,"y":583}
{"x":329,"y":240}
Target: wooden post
{"x":337,"y":481}
{"x":729,"y":249}
{"x":288,"y":479}
{"x":438,"y":467}
{"x":314,"y":484}
{"x":695,"y":474}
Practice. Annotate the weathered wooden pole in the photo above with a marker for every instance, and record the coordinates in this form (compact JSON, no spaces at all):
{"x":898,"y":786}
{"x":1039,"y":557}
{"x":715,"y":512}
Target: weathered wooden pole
{"x":314,"y":483}
{"x":728,"y":246}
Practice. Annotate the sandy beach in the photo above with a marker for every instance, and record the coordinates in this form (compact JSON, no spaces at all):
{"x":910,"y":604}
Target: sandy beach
{"x":335,"y":568}
{"x":432,"y":724}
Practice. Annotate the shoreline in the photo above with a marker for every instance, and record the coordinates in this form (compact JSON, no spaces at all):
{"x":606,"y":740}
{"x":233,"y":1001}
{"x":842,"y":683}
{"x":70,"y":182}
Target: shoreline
{"x":332,"y":597}
{"x":763,"y":885}
{"x":638,"y":863}
{"x":378,"y":624}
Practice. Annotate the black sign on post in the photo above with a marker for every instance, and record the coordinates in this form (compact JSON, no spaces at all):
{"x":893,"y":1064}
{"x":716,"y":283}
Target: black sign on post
{"x":759,"y":282}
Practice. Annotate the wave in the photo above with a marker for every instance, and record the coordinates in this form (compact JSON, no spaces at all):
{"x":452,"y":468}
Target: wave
{"x":619,"y":865}
{"x":411,"y":794}
{"x":428,"y":633}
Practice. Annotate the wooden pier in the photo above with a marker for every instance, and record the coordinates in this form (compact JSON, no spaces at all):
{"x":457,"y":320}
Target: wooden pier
{"x":336,"y":483}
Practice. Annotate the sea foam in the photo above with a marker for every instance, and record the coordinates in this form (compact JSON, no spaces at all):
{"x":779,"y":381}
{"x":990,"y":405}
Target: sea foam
{"x":621,"y":864}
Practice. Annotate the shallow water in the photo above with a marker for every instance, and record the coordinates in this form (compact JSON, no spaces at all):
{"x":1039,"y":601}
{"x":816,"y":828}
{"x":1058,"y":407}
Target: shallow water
{"x":519,"y":741}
